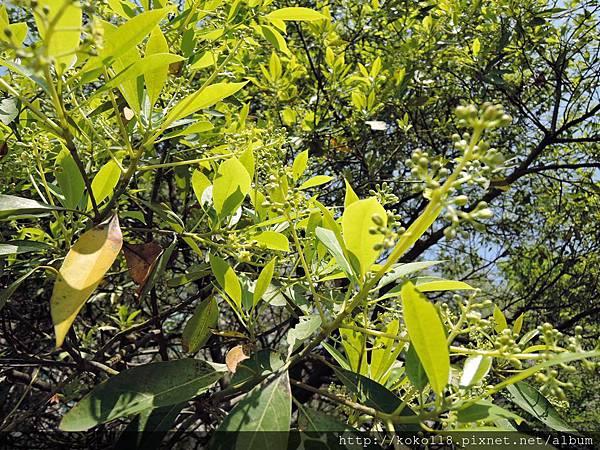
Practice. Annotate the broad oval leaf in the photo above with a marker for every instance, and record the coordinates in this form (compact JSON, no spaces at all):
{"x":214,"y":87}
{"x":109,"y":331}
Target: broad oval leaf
{"x":475,"y":369}
{"x":532,"y":401}
{"x":485,"y":410}
{"x":197,"y":330}
{"x":356,"y":223}
{"x":370,"y":393}
{"x":263,"y":282}
{"x":69,"y":179}
{"x":104,"y":182}
{"x":267,"y":407}
{"x":329,"y":239}
{"x":306,"y":326}
{"x":230,"y":186}
{"x":227,"y":279}
{"x":147,"y":430}
{"x":428,"y":336}
{"x":299,"y":165}
{"x":401,"y":270}
{"x":273,"y":240}
{"x":18,"y":247}
{"x":12,"y":206}
{"x":149,"y":386}
{"x":82,"y":271}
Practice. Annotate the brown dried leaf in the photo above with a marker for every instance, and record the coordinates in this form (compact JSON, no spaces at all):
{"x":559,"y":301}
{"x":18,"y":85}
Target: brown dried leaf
{"x":141,"y":259}
{"x":175,"y":68}
{"x":3,"y":149}
{"x":235,"y":356}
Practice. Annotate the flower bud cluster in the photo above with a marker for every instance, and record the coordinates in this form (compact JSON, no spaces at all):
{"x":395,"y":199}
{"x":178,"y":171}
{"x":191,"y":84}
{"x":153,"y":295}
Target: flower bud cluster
{"x":487,"y":116}
{"x":456,"y":216}
{"x":389,"y":236}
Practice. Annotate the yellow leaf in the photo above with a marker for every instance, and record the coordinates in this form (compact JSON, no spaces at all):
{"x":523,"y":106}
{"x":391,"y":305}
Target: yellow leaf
{"x":356,"y":223}
{"x":82,"y":271}
{"x":427,"y":334}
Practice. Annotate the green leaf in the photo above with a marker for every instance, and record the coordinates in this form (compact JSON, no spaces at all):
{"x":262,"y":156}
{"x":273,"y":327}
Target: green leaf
{"x":209,"y":58}
{"x":197,"y":330}
{"x":147,"y":430}
{"x":273,"y":240}
{"x":123,"y":8}
{"x":518,"y":325}
{"x":475,"y":370}
{"x":304,"y":329}
{"x":131,"y":68}
{"x":329,"y":240}
{"x":275,"y":38}
{"x":385,"y":352}
{"x":201,"y":126}
{"x":199,"y":184}
{"x":486,"y":411}
{"x":105,"y":182}
{"x":18,"y":247}
{"x":60,"y":29}
{"x":370,"y":393}
{"x":500,"y":320}
{"x":267,"y":407}
{"x":9,"y":110}
{"x":130,"y":85}
{"x":401,"y":270}
{"x":315,"y":181}
{"x":310,"y":421}
{"x":227,"y":279}
{"x":350,"y":196}
{"x":356,"y":223}
{"x":230,"y":186}
{"x":247,"y":160}
{"x":202,"y":99}
{"x":252,"y":371}
{"x":263,"y":282}
{"x":414,"y":369}
{"x":124,"y":39}
{"x":296,"y":13}
{"x":299,"y":165}
{"x":533,"y":402}
{"x":339,"y":358}
{"x":355,"y":347}
{"x":69,"y":179}
{"x":149,"y":386}
{"x":428,"y":336}
{"x":156,"y":79}
{"x":11,"y":206}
